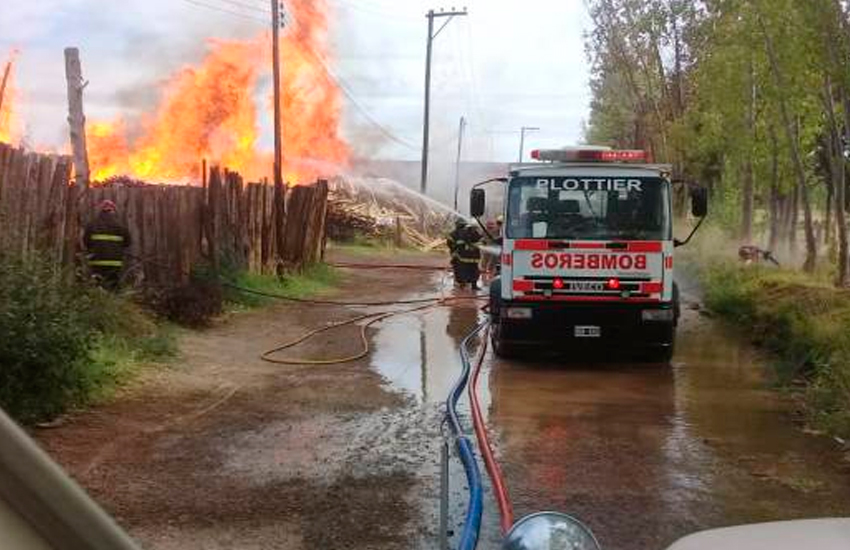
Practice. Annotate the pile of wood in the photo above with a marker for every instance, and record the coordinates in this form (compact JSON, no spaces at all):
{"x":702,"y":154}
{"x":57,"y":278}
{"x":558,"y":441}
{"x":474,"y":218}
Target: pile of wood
{"x":384,"y":209}
{"x":121,"y":181}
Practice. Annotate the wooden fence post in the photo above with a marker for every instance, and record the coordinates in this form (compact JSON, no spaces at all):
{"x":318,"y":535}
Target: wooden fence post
{"x":76,"y":116}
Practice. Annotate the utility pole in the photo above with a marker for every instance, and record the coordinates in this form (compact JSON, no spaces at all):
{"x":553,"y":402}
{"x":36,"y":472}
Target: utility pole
{"x":522,"y":132}
{"x":459,"y":153}
{"x":76,"y":116}
{"x":278,"y":133}
{"x":431,"y":15}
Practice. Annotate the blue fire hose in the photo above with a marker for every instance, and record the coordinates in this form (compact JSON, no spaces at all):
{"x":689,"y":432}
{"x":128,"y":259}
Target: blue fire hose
{"x":472,"y":523}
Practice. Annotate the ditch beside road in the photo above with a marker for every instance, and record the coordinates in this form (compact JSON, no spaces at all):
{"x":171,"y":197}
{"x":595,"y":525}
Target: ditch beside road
{"x":223,"y":450}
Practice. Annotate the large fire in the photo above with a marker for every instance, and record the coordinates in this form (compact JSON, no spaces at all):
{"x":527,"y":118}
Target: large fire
{"x":211,"y":112}
{"x":8,"y":123}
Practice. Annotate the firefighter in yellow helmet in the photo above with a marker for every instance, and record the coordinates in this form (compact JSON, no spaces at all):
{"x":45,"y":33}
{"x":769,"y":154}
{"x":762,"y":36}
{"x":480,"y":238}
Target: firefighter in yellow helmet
{"x":463,"y":246}
{"x":106,"y":241}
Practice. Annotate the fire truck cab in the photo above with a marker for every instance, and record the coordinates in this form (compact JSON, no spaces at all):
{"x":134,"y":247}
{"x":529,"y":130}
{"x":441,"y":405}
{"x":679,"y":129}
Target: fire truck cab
{"x":587,"y":253}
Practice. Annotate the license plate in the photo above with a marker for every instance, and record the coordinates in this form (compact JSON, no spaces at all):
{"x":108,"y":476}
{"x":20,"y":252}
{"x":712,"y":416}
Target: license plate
{"x":588,"y":332}
{"x":585,"y":286}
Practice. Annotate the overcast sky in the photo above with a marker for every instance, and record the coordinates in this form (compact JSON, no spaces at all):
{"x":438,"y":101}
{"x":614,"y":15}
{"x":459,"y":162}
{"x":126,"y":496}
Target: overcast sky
{"x":508,"y":64}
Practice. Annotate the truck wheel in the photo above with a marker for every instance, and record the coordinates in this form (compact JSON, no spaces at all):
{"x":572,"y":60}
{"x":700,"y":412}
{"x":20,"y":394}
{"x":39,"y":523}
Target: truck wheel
{"x":501,"y":348}
{"x":660,"y":355}
{"x":677,"y":306}
{"x":495,"y":299}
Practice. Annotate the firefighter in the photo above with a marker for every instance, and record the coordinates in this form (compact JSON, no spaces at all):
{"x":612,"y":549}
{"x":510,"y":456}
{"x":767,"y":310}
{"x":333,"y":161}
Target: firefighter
{"x":106,"y":241}
{"x":466,"y":256}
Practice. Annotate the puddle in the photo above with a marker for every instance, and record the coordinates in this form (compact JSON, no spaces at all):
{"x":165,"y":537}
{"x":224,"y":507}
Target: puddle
{"x":418,"y":354}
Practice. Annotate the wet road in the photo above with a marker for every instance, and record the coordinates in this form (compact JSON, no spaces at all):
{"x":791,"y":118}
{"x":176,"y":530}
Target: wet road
{"x":644,"y":454}
{"x":226,"y":451}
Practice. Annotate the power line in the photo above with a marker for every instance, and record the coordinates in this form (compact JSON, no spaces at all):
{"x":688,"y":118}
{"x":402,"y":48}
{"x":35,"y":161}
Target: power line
{"x":372,"y":9}
{"x":243,"y":5}
{"x":223,"y":10}
{"x":340,"y":82}
{"x":473,"y":79}
{"x":366,"y":114}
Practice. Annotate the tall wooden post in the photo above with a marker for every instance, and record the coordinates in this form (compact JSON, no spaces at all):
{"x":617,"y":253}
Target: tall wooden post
{"x":76,"y":117}
{"x":278,"y":131}
{"x":4,"y":82}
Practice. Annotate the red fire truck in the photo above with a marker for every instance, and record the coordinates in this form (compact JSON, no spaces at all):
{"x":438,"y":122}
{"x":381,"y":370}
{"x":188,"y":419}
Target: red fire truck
{"x":587,"y":253}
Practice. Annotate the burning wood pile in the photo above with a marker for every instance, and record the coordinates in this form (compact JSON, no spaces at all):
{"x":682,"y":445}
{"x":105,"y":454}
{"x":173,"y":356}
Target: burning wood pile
{"x":384,"y":209}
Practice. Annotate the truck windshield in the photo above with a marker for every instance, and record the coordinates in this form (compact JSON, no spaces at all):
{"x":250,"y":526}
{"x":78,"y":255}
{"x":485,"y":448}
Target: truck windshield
{"x":580,"y":208}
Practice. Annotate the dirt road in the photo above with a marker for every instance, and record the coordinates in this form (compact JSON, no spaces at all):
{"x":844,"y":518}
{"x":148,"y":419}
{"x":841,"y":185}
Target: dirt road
{"x":226,"y":451}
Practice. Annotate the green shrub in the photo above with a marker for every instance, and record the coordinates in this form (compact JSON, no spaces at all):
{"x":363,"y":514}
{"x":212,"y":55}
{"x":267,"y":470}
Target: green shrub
{"x":57,"y":335}
{"x":807,"y":323}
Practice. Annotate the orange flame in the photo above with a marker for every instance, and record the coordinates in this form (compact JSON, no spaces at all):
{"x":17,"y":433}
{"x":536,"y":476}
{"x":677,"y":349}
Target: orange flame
{"x":210,"y":112}
{"x":311,"y":99}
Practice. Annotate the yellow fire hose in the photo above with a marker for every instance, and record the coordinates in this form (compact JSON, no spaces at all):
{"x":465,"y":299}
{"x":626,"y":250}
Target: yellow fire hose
{"x":364,"y":339}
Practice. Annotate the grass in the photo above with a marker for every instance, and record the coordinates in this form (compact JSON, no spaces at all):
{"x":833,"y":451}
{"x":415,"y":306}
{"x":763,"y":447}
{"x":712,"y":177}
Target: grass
{"x":115,"y":360}
{"x":126,"y":338}
{"x":373,"y":246}
{"x":311,"y":281}
{"x":362,"y":246}
{"x":803,"y":319}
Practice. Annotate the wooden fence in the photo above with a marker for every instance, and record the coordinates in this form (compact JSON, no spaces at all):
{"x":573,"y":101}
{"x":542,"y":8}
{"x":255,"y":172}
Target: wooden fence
{"x":258,"y":227}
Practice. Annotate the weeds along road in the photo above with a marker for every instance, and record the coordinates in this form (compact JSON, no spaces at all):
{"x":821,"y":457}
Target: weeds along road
{"x":222,"y":450}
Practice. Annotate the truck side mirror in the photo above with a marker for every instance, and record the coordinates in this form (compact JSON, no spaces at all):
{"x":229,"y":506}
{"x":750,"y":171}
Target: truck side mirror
{"x":699,"y":202}
{"x":477,"y":201}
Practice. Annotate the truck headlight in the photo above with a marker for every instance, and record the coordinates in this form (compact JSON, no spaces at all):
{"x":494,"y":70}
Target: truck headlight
{"x":657,"y":315}
{"x":518,"y":313}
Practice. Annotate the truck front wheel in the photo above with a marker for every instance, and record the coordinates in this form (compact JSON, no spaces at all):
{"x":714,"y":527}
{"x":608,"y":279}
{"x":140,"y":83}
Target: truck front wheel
{"x":501,"y":348}
{"x":661,"y":355}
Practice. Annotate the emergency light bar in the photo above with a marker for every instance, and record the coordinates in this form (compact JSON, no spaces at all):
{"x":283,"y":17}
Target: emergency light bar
{"x":590,"y":155}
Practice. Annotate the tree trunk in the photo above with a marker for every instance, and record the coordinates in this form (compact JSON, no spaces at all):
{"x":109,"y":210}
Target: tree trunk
{"x":796,"y":156}
{"x":747,"y":204}
{"x":830,"y":192}
{"x":794,"y":220}
{"x":775,"y":202}
{"x":841,"y":194}
{"x":749,"y":185}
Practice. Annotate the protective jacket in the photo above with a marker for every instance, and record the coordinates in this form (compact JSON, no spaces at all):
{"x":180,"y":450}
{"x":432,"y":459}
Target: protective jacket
{"x":462,"y":245}
{"x":106,"y":241}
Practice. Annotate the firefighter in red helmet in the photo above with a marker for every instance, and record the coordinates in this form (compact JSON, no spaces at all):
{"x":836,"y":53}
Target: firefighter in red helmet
{"x":106,"y":241}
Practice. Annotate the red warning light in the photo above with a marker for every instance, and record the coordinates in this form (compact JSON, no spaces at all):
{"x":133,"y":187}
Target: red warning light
{"x":614,"y":284}
{"x":558,"y":284}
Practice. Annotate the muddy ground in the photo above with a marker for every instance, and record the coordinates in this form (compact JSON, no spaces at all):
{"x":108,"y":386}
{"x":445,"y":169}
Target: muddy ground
{"x":223,"y":450}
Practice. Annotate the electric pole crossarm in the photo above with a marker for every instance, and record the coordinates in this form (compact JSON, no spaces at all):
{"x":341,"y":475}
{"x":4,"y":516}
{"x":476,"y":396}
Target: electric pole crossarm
{"x":450,"y":14}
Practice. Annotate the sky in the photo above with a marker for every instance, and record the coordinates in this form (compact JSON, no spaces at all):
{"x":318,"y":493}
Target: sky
{"x":506,"y":65}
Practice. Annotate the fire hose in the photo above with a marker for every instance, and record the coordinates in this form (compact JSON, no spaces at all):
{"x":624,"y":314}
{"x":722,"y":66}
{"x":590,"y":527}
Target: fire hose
{"x":472,"y":521}
{"x":365,"y":346}
{"x":421,"y":304}
{"x":500,"y":492}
